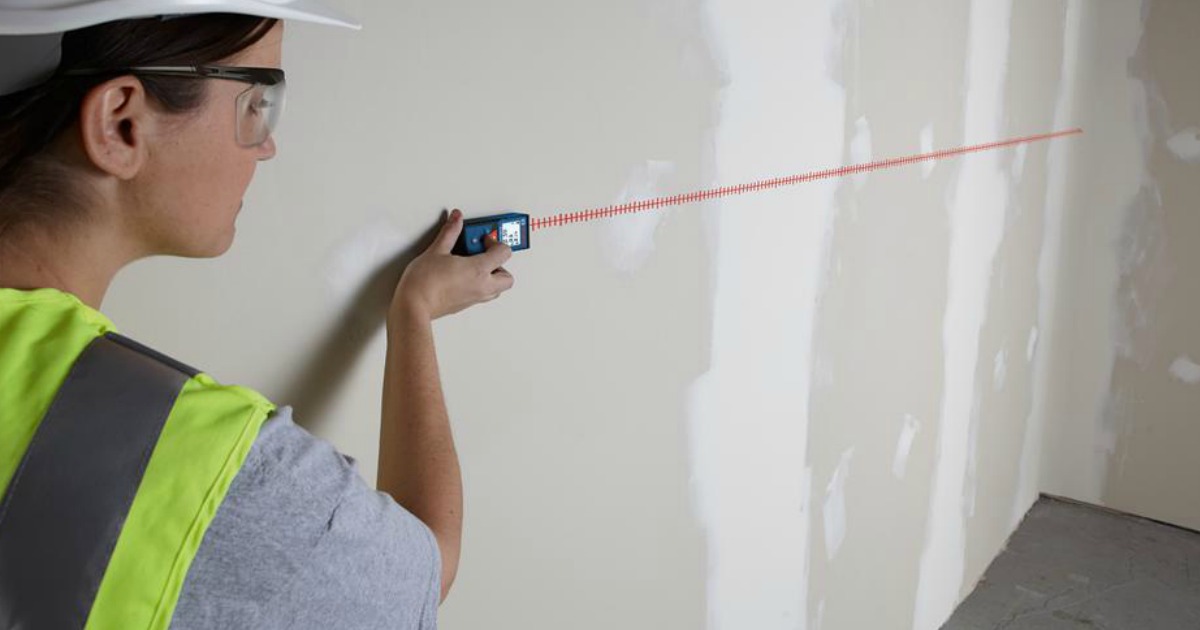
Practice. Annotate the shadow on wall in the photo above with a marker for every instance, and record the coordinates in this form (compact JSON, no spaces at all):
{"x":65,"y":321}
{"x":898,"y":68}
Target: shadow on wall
{"x":345,"y":341}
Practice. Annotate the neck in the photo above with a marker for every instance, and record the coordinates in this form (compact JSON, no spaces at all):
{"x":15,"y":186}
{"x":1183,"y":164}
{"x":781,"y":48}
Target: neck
{"x":81,"y":261}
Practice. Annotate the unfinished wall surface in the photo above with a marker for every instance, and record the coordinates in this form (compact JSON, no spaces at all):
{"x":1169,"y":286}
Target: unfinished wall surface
{"x":813,"y":407}
{"x":1127,"y":409}
{"x":922,"y":431}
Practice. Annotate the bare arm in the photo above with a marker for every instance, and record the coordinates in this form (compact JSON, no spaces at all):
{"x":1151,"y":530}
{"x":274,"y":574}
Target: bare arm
{"x":418,"y":464}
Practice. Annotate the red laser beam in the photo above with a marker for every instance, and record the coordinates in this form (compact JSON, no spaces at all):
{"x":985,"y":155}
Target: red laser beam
{"x":567,"y":218}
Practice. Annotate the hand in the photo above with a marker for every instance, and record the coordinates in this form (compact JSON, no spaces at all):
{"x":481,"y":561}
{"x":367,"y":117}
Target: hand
{"x":438,"y":283}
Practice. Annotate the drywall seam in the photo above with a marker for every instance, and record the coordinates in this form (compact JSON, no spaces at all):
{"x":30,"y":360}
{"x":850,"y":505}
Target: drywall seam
{"x":977,"y":217}
{"x":781,"y":112}
{"x":1042,"y":338}
{"x":1113,"y":257}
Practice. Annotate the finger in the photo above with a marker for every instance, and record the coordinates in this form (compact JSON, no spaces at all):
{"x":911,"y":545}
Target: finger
{"x":502,"y":280}
{"x":450,"y":231}
{"x":497,"y":254}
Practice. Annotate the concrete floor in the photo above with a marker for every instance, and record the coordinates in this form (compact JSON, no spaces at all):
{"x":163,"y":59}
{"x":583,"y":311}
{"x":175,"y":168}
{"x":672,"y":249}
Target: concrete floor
{"x":1073,"y":566}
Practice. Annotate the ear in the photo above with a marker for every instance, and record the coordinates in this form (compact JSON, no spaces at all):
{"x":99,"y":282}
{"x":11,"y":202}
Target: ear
{"x":114,"y":121}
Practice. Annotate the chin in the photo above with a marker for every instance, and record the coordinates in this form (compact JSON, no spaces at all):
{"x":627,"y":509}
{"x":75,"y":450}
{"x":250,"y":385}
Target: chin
{"x":215,"y":247}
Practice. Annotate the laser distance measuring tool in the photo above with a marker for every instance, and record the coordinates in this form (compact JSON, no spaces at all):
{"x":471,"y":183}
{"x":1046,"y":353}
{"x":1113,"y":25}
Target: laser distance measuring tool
{"x":512,"y":229}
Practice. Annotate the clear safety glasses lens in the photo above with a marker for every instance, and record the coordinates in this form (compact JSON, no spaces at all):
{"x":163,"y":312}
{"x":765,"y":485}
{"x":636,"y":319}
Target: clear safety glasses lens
{"x":258,"y":111}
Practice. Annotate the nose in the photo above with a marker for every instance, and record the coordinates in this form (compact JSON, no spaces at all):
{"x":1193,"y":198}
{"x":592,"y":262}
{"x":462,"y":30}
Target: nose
{"x":266,"y":150}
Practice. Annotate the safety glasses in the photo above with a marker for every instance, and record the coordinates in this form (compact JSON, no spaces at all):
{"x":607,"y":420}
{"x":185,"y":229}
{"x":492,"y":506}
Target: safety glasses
{"x":258,"y":107}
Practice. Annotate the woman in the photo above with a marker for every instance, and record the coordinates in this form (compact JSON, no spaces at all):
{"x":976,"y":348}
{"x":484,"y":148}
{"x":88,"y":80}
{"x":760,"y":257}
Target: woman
{"x":122,"y":137}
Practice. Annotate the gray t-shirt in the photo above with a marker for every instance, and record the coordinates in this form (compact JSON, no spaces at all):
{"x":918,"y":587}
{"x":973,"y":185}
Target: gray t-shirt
{"x":301,"y":541}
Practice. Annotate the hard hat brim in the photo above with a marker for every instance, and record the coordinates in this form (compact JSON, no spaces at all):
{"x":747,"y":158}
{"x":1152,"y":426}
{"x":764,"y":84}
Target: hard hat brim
{"x":81,"y":15}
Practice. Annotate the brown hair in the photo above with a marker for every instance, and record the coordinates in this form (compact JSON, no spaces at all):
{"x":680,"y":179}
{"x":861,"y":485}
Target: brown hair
{"x":33,"y":182}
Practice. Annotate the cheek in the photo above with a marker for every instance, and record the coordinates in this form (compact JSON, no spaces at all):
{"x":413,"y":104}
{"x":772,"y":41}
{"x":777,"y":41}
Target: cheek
{"x":217,"y":169}
{"x":201,"y":176}
{"x":211,"y":179}
{"x":225,"y":167}
{"x":217,"y":198}
{"x":219,"y":186}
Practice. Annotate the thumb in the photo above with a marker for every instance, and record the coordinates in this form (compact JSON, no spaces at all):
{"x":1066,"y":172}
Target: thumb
{"x":449,"y":233}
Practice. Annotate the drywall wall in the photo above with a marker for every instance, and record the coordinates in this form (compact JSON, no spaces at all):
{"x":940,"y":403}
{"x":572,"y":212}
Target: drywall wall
{"x":1127,"y":408}
{"x":814,"y":407}
{"x":929,"y":323}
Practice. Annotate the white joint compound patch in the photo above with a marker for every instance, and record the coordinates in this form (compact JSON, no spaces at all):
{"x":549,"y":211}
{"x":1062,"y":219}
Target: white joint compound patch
{"x":1000,"y":370}
{"x":904,"y":445}
{"x":749,"y":414}
{"x":629,"y":239}
{"x":977,"y":219}
{"x":1018,"y":165}
{"x":927,"y":166}
{"x":1186,"y":145}
{"x":835,"y":506}
{"x":353,"y":262}
{"x":1049,"y":261}
{"x":860,"y":149}
{"x":1186,"y":370}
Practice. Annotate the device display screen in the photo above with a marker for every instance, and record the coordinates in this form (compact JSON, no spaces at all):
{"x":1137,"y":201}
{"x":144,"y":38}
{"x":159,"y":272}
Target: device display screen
{"x":510,"y":233}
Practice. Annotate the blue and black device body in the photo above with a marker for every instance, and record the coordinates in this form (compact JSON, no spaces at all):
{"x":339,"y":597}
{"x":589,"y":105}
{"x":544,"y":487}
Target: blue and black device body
{"x":512,"y":229}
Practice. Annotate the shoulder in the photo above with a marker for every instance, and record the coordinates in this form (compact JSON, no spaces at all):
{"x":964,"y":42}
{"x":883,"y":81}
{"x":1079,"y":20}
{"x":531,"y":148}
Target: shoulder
{"x":203,"y":392}
{"x":302,"y":540}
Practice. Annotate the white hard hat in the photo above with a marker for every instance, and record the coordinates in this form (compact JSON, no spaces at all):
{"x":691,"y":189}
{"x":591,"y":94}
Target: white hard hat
{"x":31,"y":30}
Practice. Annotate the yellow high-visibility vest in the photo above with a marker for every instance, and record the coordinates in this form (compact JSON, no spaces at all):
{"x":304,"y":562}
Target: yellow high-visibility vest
{"x":114,"y":460}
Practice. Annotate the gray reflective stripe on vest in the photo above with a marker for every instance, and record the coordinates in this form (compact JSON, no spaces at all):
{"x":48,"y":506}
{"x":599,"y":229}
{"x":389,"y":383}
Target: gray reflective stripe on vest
{"x":66,"y":503}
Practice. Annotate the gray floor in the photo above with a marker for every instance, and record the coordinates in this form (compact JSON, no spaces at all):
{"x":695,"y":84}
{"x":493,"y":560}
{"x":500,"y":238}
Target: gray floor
{"x":1072,"y":566}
